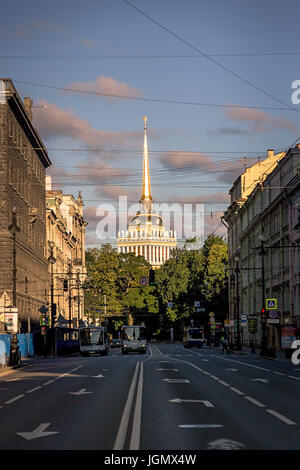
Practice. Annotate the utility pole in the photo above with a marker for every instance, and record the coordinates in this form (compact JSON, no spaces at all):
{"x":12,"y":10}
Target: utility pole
{"x":264,"y":339}
{"x":78,"y":293}
{"x":52,"y":261}
{"x":70,"y":274}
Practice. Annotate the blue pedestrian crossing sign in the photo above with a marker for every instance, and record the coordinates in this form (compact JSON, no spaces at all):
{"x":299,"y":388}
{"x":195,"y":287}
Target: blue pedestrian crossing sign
{"x":271,"y":304}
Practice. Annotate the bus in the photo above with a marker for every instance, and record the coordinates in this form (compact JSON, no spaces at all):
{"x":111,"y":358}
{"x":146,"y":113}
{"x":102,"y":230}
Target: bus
{"x":93,"y":340}
{"x":134,"y":339}
{"x":193,"y":337}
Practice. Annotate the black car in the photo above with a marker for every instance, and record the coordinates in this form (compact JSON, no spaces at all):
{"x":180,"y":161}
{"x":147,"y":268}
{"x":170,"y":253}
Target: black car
{"x":116,"y":343}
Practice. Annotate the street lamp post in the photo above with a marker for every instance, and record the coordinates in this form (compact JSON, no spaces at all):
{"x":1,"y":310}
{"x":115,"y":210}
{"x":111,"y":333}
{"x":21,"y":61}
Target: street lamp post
{"x":13,"y":227}
{"x":70,"y":274}
{"x":264,"y":339}
{"x":238,"y":337}
{"x":78,"y":293}
{"x":52,"y":261}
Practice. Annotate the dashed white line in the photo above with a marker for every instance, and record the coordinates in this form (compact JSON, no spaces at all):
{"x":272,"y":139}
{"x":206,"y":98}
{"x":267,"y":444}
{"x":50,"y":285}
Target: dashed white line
{"x":14,"y":399}
{"x":34,"y":389}
{"x":293,"y":377}
{"x":49,"y":382}
{"x":236,"y":390}
{"x":255,"y":402}
{"x":281,"y":417}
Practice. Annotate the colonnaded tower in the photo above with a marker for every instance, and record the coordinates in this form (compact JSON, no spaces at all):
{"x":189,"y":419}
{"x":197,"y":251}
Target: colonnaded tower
{"x":147,"y":234}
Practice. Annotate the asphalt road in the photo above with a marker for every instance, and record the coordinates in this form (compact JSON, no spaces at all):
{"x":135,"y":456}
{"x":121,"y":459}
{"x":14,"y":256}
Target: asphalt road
{"x":172,"y":398}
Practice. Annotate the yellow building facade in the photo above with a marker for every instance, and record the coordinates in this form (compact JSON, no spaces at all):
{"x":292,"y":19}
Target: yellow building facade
{"x":147,"y":234}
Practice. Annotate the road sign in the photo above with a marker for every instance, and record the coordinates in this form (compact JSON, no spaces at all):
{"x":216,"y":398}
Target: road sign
{"x":271,"y":304}
{"x":211,"y":314}
{"x":11,"y":320}
{"x":197,"y":303}
{"x":200,"y":309}
{"x":273,"y":315}
{"x":252,"y":324}
{"x":170,"y":304}
{"x":43,"y":309}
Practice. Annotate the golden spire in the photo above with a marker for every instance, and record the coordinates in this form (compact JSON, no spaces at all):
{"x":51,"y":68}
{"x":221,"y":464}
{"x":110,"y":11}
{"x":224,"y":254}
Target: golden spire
{"x":146,"y":197}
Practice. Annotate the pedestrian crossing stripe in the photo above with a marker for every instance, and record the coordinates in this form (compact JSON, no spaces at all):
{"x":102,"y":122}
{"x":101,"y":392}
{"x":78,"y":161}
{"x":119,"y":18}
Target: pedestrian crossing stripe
{"x":271,"y":304}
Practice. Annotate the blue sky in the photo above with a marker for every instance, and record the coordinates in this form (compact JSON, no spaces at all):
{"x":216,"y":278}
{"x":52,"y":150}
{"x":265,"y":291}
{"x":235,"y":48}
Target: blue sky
{"x":195,"y":151}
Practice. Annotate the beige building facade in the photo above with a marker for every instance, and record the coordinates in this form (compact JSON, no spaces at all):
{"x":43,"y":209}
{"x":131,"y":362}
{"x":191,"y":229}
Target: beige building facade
{"x":264,"y":243}
{"x":66,"y":241}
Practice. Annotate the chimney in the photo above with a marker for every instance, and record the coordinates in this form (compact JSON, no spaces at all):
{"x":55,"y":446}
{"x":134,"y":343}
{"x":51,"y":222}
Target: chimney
{"x":270,"y":153}
{"x":28,"y":105}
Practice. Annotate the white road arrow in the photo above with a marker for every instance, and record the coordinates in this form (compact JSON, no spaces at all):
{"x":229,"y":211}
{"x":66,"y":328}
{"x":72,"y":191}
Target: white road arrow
{"x":207,"y":403}
{"x":265,"y":381}
{"x":83,"y":391}
{"x":38,"y":432}
{"x":98,"y":376}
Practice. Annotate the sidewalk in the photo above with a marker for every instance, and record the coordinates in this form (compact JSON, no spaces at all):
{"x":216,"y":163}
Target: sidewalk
{"x":280,"y":355}
{"x":8,"y":369}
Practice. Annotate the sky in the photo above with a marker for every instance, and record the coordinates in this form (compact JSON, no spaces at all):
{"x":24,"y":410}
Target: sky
{"x":214,"y":79}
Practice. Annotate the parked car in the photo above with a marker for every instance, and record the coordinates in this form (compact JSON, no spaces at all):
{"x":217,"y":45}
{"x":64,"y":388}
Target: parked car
{"x":116,"y":343}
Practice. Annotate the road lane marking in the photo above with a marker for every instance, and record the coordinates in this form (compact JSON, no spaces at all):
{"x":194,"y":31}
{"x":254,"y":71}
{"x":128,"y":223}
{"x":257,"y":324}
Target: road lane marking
{"x":82,"y":391}
{"x":224,"y":383}
{"x":38,"y":432}
{"x":14,"y":399}
{"x":264,"y":381}
{"x":278,"y":373}
{"x":201,"y":426}
{"x":34,"y":389}
{"x":293,"y":377}
{"x":136,"y":426}
{"x":255,"y":402}
{"x":236,"y":390}
{"x":121,"y":435}
{"x":207,"y":403}
{"x":281,"y":417}
{"x":49,"y":382}
{"x":176,"y":381}
{"x":175,"y":370}
{"x":225,"y":444}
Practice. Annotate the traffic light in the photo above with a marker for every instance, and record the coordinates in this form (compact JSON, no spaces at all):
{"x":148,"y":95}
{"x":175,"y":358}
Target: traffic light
{"x":151,"y":277}
{"x":263,"y":314}
{"x":65,"y":285}
{"x":43,"y":330}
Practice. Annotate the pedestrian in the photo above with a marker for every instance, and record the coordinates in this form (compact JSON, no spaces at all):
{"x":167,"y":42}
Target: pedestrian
{"x":224,"y":343}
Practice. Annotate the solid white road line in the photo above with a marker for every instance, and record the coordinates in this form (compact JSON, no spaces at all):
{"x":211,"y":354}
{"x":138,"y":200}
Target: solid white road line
{"x":281,"y":417}
{"x":121,"y":436}
{"x":136,"y":426}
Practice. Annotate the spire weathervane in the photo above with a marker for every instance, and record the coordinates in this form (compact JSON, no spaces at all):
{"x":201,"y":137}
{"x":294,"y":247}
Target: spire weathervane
{"x":146,"y":197}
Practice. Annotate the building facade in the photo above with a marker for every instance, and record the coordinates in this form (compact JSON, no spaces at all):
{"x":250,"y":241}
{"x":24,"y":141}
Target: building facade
{"x":24,"y":278}
{"x":66,"y":242}
{"x":147,"y":234}
{"x":264,"y":242}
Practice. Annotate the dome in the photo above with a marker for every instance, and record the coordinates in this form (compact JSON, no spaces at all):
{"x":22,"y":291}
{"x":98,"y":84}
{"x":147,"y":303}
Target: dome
{"x":144,"y":220}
